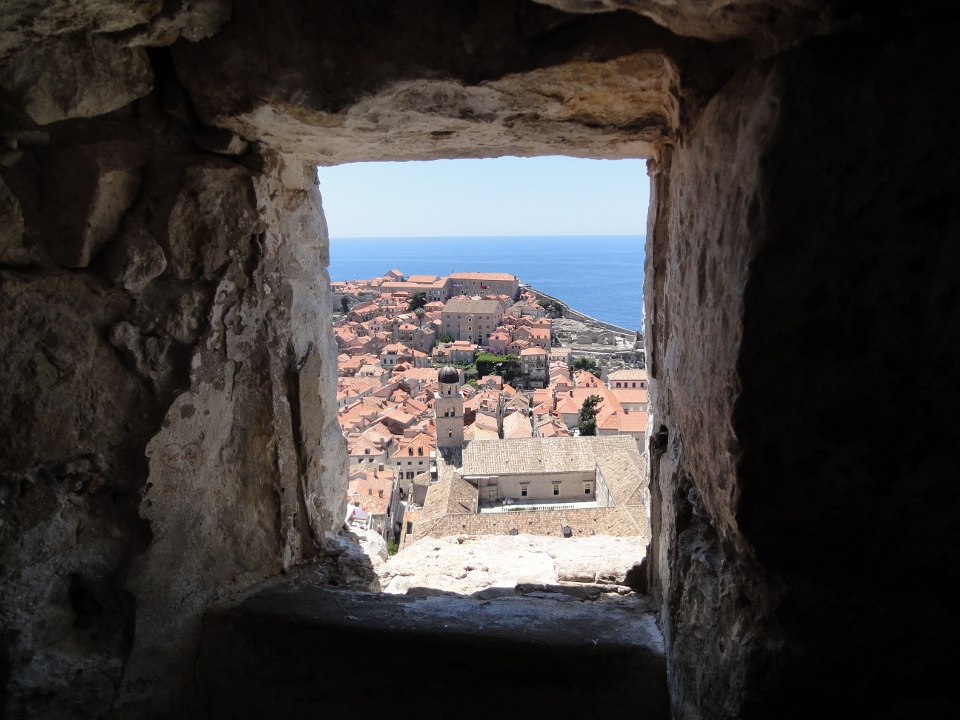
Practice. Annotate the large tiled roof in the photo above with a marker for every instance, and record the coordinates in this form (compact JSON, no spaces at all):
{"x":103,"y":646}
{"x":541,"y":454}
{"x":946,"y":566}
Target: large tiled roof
{"x":629,"y":374}
{"x":535,"y":455}
{"x":451,"y":495}
{"x":467,"y":306}
{"x":482,"y":276}
{"x":630,"y":395}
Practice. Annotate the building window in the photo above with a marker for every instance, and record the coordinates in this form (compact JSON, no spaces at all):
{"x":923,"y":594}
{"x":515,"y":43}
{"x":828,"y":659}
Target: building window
{"x":556,"y":488}
{"x":586,"y":489}
{"x":523,"y":491}
{"x":409,"y":528}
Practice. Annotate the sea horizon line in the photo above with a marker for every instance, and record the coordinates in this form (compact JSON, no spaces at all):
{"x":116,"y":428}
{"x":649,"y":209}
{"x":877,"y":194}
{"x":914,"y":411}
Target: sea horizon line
{"x":468,"y":237}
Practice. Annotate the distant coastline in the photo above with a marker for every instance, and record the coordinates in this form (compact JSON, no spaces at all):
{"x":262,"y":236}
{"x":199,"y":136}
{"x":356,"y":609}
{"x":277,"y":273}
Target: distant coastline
{"x":598,"y":275}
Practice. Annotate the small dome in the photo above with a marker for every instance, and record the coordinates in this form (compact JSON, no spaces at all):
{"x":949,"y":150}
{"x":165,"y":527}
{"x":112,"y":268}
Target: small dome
{"x":448,"y":375}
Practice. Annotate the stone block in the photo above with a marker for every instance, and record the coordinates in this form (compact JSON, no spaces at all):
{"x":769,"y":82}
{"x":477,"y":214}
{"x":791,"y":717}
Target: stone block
{"x":214,"y":213}
{"x":222,"y":142}
{"x":12,"y":230}
{"x":87,"y":190}
{"x":135,"y":259}
{"x":75,"y":75}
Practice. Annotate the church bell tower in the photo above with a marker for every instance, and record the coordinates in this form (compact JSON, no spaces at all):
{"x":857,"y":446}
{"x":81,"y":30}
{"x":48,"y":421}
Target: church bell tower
{"x":448,"y":406}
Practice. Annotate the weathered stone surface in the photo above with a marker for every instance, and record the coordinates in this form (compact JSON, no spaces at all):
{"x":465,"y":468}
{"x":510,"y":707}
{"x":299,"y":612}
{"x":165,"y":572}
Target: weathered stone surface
{"x":251,"y":448}
{"x":148,"y":356}
{"x":12,"y":248}
{"x":504,"y":81}
{"x":22,"y":23}
{"x":801,"y":308}
{"x":72,"y":623}
{"x":214,"y":214}
{"x":69,"y":410}
{"x":587,"y":654}
{"x":67,"y":392}
{"x":191,"y":19}
{"x":779,"y":502}
{"x":177,"y":311}
{"x":87,"y":189}
{"x":717,"y":19}
{"x":134,"y":259}
{"x":222,"y":142}
{"x":471,"y":564}
{"x":75,"y":76}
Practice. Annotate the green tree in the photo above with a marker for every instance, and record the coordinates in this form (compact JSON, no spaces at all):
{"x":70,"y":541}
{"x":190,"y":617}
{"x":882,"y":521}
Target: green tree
{"x":445,"y":338}
{"x":552,"y":306}
{"x":588,"y":364}
{"x":420,"y":313}
{"x":588,"y":416}
{"x":344,"y":303}
{"x":506,"y":366}
{"x":417,"y":301}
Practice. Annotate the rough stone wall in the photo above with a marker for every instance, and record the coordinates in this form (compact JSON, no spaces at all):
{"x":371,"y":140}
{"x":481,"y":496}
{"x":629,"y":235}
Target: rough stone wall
{"x":166,"y":407}
{"x":707,"y":217}
{"x":345,"y":81}
{"x":167,"y":410}
{"x":801,"y":283}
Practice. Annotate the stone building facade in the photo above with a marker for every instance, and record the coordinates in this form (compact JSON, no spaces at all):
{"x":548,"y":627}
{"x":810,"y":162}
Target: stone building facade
{"x":471,"y":320}
{"x":479,"y":283}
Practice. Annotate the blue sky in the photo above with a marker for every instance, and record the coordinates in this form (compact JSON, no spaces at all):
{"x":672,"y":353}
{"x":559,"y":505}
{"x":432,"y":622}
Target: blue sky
{"x":497,"y":196}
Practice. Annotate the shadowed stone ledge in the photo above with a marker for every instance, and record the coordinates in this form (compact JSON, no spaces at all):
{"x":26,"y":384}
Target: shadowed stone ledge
{"x":442,"y":654}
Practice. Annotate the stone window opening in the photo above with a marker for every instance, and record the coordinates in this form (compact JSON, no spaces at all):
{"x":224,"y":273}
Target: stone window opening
{"x":678,"y":126}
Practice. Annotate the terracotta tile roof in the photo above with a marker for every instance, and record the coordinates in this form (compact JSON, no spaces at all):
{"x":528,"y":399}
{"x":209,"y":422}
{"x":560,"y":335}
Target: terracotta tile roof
{"x":586,"y":379}
{"x":367,"y":487}
{"x":630,"y":395}
{"x":631,"y":374}
{"x":517,"y":425}
{"x":482,"y":276}
{"x":398,"y":415}
{"x":627,"y":422}
{"x":425,"y":375}
{"x":468,"y":306}
{"x":486,"y":422}
{"x":472,"y":432}
{"x":420,"y":441}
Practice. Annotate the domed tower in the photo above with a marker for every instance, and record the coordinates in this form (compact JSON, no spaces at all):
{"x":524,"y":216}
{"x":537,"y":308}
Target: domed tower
{"x":448,"y":406}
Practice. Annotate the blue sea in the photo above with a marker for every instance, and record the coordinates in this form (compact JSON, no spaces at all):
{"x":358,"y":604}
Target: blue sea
{"x":599,"y":275}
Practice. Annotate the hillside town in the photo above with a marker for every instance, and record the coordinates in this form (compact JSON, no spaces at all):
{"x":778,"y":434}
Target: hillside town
{"x":463,"y":413}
